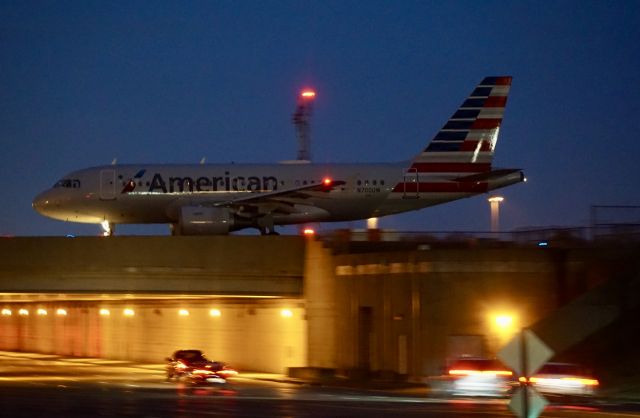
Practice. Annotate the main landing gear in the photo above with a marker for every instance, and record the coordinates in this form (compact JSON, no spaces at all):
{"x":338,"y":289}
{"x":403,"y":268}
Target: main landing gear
{"x":266,"y":226}
{"x":268,"y":231}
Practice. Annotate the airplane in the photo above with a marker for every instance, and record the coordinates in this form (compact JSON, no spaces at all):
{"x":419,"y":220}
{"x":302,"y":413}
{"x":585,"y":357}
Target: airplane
{"x":216,"y":199}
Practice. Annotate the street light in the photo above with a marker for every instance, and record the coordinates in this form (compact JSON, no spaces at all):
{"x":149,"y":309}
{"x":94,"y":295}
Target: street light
{"x":503,"y":326}
{"x":503,"y":321}
{"x":495,"y":201}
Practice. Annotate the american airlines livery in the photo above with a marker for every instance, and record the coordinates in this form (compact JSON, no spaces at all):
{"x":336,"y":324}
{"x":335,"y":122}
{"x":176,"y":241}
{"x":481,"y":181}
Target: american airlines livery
{"x":201,"y":199}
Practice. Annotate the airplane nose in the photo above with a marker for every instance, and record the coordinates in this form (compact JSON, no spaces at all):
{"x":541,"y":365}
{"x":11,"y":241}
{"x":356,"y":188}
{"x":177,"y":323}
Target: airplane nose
{"x":41,"y":202}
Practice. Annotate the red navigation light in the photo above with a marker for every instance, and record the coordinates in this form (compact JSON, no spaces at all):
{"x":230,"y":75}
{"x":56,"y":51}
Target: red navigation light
{"x":308,"y":94}
{"x":327,"y":181}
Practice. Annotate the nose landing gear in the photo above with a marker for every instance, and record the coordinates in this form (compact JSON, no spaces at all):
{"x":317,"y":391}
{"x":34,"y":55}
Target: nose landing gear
{"x":107,"y":228}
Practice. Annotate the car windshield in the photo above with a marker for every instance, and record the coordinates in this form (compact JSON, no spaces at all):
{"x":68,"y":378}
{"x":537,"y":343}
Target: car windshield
{"x":477,"y":365}
{"x":190,"y":355}
{"x":562,"y":368}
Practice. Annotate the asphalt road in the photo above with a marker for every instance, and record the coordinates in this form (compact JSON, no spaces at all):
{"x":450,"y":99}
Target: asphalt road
{"x":34,"y":385}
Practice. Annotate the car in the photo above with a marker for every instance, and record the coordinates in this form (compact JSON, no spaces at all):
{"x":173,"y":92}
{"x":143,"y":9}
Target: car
{"x":193,"y":367}
{"x":474,"y":376}
{"x":565,"y":379}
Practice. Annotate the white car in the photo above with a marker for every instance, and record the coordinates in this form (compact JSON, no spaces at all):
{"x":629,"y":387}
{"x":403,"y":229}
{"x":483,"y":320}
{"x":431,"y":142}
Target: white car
{"x":564,"y":379}
{"x":471,"y":376}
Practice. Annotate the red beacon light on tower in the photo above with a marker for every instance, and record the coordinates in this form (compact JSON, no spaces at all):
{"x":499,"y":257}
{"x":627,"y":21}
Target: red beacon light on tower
{"x":308,"y":94}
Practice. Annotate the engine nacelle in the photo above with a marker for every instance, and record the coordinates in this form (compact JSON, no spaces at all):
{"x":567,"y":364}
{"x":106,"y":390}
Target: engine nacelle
{"x":200,"y":220}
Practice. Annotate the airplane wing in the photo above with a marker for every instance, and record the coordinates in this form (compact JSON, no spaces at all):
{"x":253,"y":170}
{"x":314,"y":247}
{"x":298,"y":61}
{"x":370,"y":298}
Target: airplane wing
{"x":283,"y":196}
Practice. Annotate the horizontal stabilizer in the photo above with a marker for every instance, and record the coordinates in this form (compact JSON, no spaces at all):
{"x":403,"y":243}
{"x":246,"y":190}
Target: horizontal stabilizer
{"x":489,"y":175}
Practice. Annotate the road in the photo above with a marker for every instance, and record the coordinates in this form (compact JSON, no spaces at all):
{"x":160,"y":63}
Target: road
{"x":36,"y":385}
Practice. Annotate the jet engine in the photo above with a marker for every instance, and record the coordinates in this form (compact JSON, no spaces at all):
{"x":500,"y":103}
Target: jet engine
{"x":200,"y":220}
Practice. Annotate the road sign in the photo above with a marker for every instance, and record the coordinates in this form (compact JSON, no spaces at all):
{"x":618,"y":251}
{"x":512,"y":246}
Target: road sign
{"x":536,"y":353}
{"x":533,"y":406}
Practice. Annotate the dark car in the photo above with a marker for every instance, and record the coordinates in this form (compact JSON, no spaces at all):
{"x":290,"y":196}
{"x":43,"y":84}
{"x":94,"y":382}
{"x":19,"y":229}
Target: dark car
{"x":193,"y":366}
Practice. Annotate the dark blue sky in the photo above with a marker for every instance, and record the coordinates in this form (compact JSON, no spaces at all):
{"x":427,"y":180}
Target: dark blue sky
{"x":83,"y":82}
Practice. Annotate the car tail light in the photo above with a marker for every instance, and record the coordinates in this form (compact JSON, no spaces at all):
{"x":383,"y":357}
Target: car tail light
{"x":462,"y":372}
{"x":588,"y":382}
{"x":566,"y":380}
{"x":226,"y":373}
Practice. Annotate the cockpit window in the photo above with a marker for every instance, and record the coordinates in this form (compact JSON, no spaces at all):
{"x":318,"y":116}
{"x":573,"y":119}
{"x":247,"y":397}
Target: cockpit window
{"x":68,"y":183}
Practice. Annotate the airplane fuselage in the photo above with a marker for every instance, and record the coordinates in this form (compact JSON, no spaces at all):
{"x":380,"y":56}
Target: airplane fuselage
{"x":113,"y":193}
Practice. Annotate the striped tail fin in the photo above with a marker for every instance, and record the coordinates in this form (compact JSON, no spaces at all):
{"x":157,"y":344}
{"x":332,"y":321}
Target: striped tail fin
{"x":466,"y":143}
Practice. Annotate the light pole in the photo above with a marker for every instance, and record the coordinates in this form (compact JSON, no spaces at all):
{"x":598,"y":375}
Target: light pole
{"x":495,"y":212}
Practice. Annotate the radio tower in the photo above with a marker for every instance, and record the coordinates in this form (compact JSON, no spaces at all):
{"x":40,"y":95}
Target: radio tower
{"x":302,"y":123}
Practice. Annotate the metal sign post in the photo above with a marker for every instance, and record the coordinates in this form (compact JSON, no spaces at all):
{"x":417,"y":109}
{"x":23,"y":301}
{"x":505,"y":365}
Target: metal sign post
{"x":524,"y":383}
{"x":525,"y":354}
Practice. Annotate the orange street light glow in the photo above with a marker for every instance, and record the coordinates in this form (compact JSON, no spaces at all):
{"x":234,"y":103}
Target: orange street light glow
{"x":504,"y":321}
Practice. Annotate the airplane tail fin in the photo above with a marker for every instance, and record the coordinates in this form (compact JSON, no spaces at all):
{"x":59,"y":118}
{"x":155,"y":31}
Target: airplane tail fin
{"x":466,"y":143}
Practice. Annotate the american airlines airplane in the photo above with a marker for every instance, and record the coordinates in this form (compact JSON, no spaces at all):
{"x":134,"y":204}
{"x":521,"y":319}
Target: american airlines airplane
{"x":201,"y":199}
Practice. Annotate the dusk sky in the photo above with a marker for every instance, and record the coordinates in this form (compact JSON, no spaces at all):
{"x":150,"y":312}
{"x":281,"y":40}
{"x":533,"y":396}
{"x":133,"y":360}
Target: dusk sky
{"x":84,"y":82}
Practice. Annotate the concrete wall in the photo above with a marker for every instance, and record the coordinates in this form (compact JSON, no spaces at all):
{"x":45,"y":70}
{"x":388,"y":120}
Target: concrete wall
{"x":320,"y":297}
{"x":422,"y":303}
{"x":194,"y":265}
{"x":248,"y":335}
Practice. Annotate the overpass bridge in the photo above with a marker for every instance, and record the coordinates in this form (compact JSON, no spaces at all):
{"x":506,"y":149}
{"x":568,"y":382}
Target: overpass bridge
{"x":271,"y":303}
{"x":184,"y":266}
{"x":237,"y":298}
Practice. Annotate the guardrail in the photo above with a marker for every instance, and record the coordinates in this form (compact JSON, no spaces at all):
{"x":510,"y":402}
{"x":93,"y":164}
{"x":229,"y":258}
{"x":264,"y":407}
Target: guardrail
{"x":541,"y":237}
